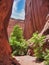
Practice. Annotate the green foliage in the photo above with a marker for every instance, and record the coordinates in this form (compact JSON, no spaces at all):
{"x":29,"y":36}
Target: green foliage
{"x":46,"y":57}
{"x":38,"y":45}
{"x":18,"y":43}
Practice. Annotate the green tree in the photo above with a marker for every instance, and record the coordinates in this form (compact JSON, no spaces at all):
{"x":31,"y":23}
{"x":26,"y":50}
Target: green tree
{"x":38,"y":42}
{"x":17,"y":42}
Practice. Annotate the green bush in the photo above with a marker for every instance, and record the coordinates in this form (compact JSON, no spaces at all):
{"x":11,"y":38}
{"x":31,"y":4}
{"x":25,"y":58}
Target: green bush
{"x":46,"y":57}
{"x":18,"y":43}
{"x":38,"y":45}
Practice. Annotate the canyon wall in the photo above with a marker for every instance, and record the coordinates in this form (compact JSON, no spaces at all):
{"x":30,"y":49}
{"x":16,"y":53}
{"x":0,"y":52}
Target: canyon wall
{"x":12,"y":23}
{"x":5,"y":49}
{"x":5,"y":12}
{"x":35,"y":16}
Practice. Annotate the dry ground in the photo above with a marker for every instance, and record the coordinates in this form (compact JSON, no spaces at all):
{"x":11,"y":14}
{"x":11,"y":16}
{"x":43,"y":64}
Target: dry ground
{"x":28,"y":60}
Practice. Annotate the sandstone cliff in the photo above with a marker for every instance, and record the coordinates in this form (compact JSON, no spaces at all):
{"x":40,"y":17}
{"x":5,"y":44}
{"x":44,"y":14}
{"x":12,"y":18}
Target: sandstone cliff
{"x":35,"y":18}
{"x":5,"y":49}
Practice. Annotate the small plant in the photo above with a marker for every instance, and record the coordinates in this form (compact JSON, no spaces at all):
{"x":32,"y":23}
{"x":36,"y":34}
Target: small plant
{"x":18,"y":43}
{"x":46,"y":57}
{"x":38,"y":45}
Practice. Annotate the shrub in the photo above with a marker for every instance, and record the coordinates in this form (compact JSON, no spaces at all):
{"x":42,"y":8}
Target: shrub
{"x":38,"y":42}
{"x":18,"y":43}
{"x":46,"y":57}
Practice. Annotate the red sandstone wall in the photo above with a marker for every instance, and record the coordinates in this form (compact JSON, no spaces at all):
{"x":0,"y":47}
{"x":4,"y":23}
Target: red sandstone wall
{"x":35,"y":18}
{"x":12,"y":23}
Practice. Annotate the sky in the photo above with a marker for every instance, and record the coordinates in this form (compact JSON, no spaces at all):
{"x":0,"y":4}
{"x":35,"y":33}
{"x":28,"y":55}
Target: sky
{"x":18,"y":10}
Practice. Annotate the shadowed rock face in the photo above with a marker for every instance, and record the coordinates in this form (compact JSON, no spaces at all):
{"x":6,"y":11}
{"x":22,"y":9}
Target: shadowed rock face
{"x":5,"y":12}
{"x":5,"y":50}
{"x":35,"y":18}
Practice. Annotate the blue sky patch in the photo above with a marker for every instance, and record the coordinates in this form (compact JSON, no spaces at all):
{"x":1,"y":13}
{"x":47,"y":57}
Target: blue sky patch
{"x":18,"y":10}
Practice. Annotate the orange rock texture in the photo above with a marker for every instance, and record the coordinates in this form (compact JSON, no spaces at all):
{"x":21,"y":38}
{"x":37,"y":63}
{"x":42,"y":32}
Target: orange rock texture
{"x":5,"y":12}
{"x":5,"y":50}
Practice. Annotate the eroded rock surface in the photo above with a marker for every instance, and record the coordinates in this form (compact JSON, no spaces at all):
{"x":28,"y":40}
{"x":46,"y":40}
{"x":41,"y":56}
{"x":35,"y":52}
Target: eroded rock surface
{"x":5,"y":49}
{"x":35,"y":16}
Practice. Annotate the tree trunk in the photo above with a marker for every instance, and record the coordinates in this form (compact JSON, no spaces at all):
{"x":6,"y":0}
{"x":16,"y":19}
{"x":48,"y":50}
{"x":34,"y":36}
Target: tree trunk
{"x":5,"y":49}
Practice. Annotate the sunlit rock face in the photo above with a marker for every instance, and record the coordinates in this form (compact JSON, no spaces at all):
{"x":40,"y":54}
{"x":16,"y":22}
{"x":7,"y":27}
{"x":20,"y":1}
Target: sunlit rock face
{"x":14,"y":22}
{"x":35,"y":17}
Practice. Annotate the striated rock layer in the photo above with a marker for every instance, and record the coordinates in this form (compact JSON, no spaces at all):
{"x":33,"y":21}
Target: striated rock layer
{"x":12,"y":23}
{"x":35,"y":18}
{"x":5,"y":50}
